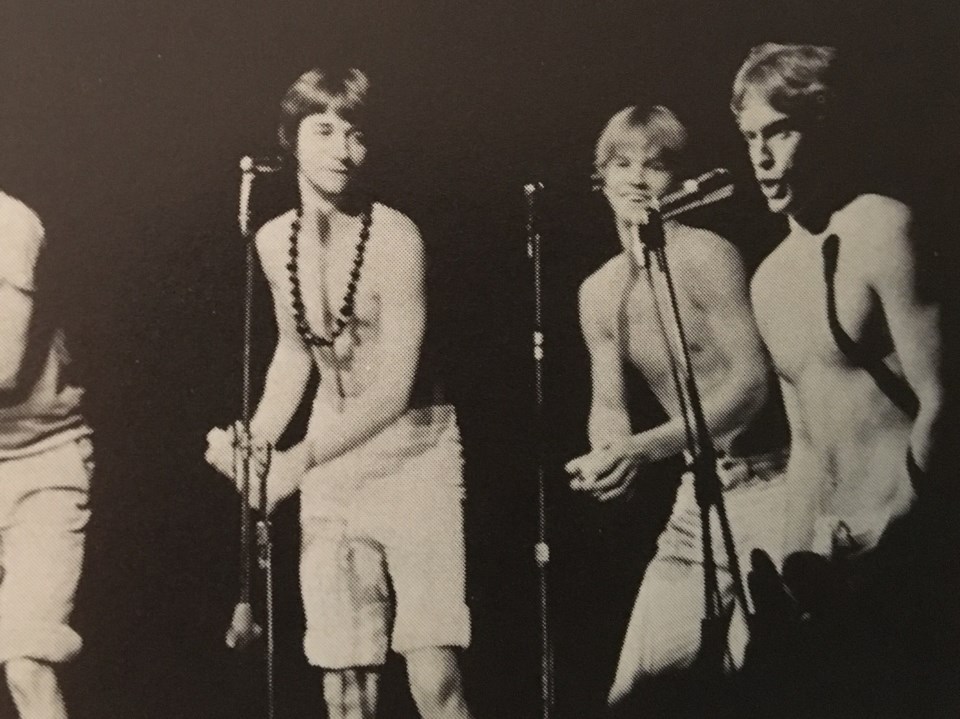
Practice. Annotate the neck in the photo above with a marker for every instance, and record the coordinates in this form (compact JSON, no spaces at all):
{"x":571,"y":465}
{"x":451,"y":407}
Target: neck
{"x":627,"y":230}
{"x":315,"y":201}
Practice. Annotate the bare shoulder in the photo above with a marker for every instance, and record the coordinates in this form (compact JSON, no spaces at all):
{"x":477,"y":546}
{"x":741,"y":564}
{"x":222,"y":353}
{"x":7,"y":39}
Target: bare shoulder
{"x":395,"y":238}
{"x":272,"y":242}
{"x":19,"y":222}
{"x":875,"y":231}
{"x":874,"y":221}
{"x":600,"y":292}
{"x":702,"y":248}
{"x":606,"y":281}
{"x":712,"y":264}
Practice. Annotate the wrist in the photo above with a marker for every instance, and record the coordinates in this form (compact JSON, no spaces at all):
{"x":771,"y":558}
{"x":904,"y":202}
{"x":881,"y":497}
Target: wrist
{"x":629,"y":448}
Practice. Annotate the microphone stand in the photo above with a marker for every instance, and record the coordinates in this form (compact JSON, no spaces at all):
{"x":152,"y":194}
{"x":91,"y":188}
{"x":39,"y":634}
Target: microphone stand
{"x":542,"y":548}
{"x":243,"y":630}
{"x":701,"y":457}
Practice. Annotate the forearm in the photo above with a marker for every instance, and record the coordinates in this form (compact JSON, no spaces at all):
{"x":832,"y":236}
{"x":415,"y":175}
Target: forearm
{"x":724,"y":410}
{"x":366,"y":417}
{"x":804,"y":498}
{"x":927,"y":431}
{"x":283,"y":390}
{"x":607,"y":425}
{"x":333,"y":433}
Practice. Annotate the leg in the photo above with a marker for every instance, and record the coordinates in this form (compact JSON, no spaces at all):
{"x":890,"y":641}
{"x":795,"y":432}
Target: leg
{"x":42,"y":554}
{"x":664,"y":630}
{"x":351,"y":693}
{"x":33,"y":685}
{"x":436,"y":684}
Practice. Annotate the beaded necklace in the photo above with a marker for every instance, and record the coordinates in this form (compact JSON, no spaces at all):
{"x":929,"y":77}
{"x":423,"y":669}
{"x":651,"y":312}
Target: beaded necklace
{"x":342,"y":320}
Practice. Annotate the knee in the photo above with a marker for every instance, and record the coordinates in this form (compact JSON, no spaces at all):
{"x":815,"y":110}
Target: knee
{"x":30,"y":681}
{"x":434,"y":680}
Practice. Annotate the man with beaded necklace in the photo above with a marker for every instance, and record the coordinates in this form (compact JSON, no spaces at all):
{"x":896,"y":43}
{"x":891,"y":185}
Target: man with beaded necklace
{"x":379,"y":469}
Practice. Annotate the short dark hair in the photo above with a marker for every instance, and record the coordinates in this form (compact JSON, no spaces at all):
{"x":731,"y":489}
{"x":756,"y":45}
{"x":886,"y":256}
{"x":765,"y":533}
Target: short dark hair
{"x":797,"y":80}
{"x":345,"y":92}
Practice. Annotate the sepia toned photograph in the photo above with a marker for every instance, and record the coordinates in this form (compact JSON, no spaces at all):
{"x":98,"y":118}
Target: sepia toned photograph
{"x":438,"y":360}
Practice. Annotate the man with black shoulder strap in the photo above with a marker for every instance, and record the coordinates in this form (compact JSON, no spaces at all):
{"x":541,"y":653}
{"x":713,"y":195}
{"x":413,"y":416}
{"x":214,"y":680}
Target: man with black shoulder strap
{"x":852,"y":331}
{"x":854,"y":339}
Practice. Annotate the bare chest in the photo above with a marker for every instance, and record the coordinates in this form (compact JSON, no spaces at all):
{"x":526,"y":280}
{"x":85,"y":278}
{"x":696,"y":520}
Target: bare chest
{"x":337,"y":283}
{"x":790,"y":298}
{"x":644,"y":323}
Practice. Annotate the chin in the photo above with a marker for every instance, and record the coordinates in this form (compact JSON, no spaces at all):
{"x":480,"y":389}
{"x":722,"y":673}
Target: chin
{"x":780,"y":205}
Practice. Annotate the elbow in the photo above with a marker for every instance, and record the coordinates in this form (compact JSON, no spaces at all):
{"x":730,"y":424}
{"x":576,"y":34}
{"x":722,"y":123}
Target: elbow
{"x":394,"y":403}
{"x":932,"y":409}
{"x":931,"y":401}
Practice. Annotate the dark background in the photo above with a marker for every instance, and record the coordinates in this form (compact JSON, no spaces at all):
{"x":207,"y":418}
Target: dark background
{"x":121,"y":123}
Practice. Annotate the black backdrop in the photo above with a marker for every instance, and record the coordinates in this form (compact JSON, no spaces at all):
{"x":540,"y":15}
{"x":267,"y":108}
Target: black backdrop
{"x":122,"y":123}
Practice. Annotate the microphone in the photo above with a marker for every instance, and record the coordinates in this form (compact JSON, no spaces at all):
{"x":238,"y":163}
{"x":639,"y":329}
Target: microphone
{"x":264,"y":165}
{"x":696,"y":192}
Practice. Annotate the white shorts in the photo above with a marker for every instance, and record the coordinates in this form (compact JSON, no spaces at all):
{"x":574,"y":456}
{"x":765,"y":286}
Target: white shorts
{"x":382,"y":555}
{"x":43,"y":513}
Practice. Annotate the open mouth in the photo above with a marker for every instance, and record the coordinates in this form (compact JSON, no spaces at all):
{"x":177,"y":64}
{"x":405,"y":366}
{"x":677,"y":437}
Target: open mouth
{"x":773,"y":189}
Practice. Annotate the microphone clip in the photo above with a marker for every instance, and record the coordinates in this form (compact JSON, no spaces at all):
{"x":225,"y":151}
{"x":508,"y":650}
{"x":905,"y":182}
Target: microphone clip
{"x":651,"y":232}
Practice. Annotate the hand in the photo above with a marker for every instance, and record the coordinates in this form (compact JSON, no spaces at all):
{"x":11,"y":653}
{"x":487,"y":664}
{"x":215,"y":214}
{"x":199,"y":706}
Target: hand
{"x":607,"y":473}
{"x":225,"y":452}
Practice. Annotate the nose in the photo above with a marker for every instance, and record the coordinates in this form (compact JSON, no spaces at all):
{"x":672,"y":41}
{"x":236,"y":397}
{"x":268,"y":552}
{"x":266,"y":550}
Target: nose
{"x":341,"y":146}
{"x":639,"y":179}
{"x":760,"y":155}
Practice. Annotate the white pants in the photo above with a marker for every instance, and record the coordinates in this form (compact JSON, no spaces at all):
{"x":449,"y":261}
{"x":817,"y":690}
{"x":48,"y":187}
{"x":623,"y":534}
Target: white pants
{"x":43,"y":513}
{"x":664,"y":629}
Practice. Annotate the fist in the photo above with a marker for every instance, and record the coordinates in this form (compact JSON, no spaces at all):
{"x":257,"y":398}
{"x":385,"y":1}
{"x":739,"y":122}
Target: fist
{"x":226,"y":449}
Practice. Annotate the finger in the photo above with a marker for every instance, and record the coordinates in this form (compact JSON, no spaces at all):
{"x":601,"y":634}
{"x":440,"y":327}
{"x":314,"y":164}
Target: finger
{"x":613,"y":478}
{"x":573,"y":466}
{"x":622,"y":489}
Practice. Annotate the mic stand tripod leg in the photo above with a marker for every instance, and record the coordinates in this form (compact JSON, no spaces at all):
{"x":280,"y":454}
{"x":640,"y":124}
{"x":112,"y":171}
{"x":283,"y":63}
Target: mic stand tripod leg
{"x":707,"y":486}
{"x":265,"y":554}
{"x":265,"y":562}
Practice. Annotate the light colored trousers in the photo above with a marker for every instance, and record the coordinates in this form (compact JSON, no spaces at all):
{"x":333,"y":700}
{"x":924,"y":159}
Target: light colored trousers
{"x":43,"y":513}
{"x":382,"y":556}
{"x":664,"y":629}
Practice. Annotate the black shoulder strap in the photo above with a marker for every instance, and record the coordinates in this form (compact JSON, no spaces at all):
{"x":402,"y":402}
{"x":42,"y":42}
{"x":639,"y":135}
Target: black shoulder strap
{"x":892,"y":385}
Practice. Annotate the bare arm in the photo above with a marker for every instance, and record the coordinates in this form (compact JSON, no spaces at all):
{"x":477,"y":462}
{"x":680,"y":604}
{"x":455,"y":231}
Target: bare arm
{"x":720,"y":281}
{"x":609,"y":419}
{"x":20,"y":246}
{"x":290,"y":367}
{"x":913,"y":319}
{"x":402,"y":323}
{"x":16,"y":309}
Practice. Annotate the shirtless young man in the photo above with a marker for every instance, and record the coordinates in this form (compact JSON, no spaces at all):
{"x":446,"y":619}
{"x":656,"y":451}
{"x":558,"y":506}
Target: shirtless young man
{"x":46,"y":462}
{"x":857,"y":349}
{"x":625,"y":318}
{"x":380,"y":469}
